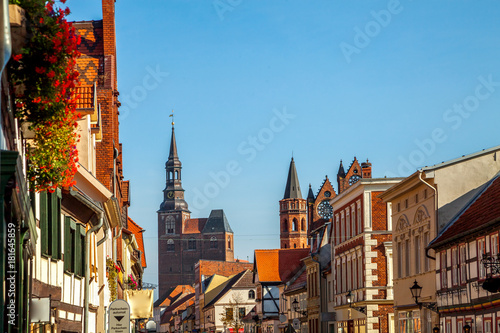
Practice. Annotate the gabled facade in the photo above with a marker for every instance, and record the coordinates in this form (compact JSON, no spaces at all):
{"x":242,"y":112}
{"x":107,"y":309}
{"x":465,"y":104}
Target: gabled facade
{"x":422,"y":204}
{"x":361,"y":242}
{"x":236,"y":295}
{"x":209,"y":274}
{"x":467,"y":289}
{"x":271,"y":269}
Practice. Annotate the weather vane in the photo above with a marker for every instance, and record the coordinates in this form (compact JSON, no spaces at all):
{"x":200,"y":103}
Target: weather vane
{"x":172,"y":115}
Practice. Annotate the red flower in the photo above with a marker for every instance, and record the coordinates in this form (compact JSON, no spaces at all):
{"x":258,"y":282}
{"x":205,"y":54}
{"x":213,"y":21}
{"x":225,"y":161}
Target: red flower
{"x":17,"y":57}
{"x":51,"y":74}
{"x":40,"y":70}
{"x":52,"y":59}
{"x":37,"y":100}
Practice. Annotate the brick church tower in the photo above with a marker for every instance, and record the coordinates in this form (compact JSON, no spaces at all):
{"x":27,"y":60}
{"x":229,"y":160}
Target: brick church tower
{"x":293,"y":213}
{"x":182,"y":240}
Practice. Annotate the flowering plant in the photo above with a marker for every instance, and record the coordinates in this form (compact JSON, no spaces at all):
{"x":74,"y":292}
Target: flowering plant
{"x":112,"y":270}
{"x":132,"y":284}
{"x":46,"y":76}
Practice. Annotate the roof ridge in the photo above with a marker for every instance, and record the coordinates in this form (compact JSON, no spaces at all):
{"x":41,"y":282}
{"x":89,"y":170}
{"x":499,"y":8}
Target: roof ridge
{"x":465,"y":207}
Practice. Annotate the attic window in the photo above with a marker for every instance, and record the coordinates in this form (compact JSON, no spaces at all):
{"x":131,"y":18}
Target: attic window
{"x":229,"y":243}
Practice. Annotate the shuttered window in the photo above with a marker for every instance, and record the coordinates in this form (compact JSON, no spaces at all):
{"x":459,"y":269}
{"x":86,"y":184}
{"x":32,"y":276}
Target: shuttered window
{"x":50,"y":224}
{"x":74,"y":247}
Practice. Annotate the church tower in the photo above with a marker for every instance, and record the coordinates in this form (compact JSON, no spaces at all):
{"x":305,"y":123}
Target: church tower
{"x":293,"y":213}
{"x":172,"y":214}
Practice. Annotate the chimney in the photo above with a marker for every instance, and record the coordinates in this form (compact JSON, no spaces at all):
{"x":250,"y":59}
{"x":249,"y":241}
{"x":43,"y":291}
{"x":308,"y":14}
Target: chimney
{"x":367,"y":169}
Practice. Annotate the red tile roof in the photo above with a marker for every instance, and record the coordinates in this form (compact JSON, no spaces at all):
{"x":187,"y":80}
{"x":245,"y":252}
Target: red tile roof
{"x":278,"y":265}
{"x":179,"y":305}
{"x":194,"y":226}
{"x":90,"y":64}
{"x":137,"y":231}
{"x":299,"y":283}
{"x":482,"y":210}
{"x":173,"y":294}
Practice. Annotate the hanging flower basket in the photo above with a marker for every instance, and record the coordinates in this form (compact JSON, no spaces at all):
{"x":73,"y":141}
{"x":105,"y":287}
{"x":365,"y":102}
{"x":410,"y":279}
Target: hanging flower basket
{"x":112,"y":271}
{"x":45,"y":76}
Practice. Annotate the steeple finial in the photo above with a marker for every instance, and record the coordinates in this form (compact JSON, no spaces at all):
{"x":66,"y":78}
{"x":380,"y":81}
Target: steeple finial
{"x":172,"y":115}
{"x":292,"y":189}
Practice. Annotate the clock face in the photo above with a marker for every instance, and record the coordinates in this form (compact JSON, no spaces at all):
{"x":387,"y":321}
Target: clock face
{"x":170,"y":194}
{"x":328,"y":194}
{"x":325,"y":210}
{"x":354,"y":179}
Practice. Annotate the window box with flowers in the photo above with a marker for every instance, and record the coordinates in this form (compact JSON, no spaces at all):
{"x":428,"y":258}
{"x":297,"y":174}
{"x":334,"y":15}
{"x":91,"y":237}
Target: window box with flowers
{"x":132,"y":283}
{"x":44,"y":74}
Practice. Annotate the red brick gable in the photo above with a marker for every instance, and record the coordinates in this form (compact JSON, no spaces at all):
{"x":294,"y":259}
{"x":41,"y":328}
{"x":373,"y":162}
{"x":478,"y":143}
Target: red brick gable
{"x":224,"y":268}
{"x":482,"y":210}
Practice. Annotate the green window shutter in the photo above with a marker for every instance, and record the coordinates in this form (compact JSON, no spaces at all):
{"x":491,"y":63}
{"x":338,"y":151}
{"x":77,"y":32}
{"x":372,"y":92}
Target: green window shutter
{"x":44,"y":223}
{"x":67,"y":243}
{"x":84,"y":251}
{"x":54,"y":226}
{"x":79,"y":250}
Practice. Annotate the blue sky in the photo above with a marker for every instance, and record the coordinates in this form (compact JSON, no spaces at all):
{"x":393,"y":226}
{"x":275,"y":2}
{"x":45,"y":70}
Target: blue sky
{"x":402,"y":83}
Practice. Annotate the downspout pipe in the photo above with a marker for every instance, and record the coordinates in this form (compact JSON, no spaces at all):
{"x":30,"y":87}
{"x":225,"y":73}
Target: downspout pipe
{"x":106,"y":229}
{"x":87,"y":267}
{"x":435,"y":209}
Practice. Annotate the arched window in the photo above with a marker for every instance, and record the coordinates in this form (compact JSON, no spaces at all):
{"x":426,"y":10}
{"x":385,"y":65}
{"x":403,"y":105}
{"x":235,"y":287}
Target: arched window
{"x":294,"y":246}
{"x":295,"y":225}
{"x":192,"y":244}
{"x":251,"y":294}
{"x":170,"y":225}
{"x":213,"y":243}
{"x":176,"y":174}
{"x":229,"y":242}
{"x":170,"y":245}
{"x":285,"y":225}
{"x":303,"y":225}
{"x":284,"y":245}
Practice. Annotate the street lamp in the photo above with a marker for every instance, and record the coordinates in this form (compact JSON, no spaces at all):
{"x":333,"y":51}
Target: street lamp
{"x":467,"y":328}
{"x":435,"y":329}
{"x":361,"y":309}
{"x":295,"y":306}
{"x":416,"y":291}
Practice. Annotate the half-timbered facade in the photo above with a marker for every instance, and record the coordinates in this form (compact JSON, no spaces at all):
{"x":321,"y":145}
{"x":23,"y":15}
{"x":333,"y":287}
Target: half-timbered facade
{"x":467,"y":289}
{"x":422,"y":205}
{"x":271,"y":268}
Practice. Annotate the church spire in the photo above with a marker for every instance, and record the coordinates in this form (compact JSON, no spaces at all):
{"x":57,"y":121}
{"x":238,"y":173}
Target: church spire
{"x":292,"y":189}
{"x":173,"y":146}
{"x":173,"y":194}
